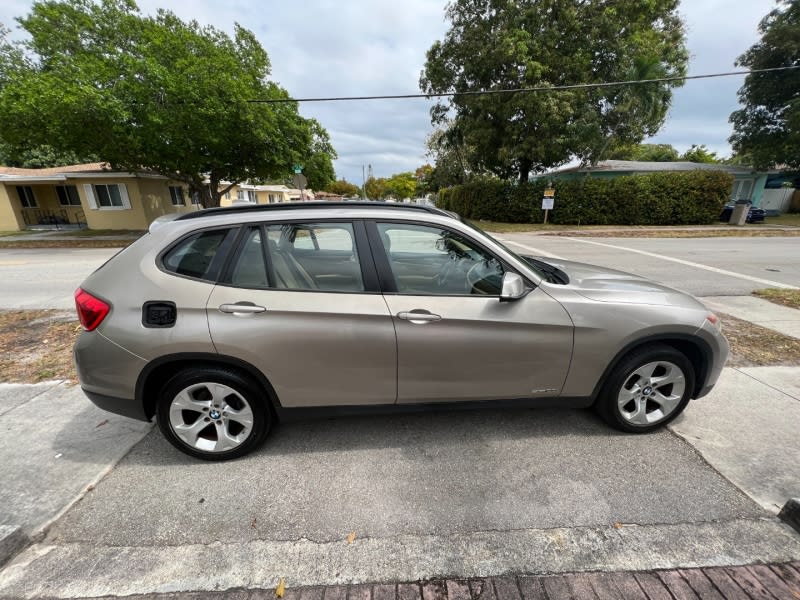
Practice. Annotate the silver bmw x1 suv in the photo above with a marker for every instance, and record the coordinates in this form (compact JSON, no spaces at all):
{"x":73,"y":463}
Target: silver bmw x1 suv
{"x":218,"y":322}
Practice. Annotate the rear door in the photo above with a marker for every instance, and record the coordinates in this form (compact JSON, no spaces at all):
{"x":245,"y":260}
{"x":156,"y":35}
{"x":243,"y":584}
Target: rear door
{"x":311,"y":318}
{"x":455,"y":339}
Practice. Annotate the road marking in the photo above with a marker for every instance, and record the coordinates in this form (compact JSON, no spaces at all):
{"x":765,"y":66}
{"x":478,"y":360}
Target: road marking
{"x":537,"y":251}
{"x":766,"y":282}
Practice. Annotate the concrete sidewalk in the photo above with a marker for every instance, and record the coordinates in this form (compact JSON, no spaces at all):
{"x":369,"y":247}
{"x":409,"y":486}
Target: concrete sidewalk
{"x":761,"y":312}
{"x":54,"y":445}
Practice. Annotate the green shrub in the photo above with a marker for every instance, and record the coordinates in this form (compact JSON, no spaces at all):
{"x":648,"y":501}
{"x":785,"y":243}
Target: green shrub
{"x":679,"y":198}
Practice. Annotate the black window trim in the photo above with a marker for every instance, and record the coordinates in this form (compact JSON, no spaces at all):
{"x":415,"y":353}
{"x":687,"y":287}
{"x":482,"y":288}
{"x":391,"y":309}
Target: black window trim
{"x":386,"y":275}
{"x":220,"y":258}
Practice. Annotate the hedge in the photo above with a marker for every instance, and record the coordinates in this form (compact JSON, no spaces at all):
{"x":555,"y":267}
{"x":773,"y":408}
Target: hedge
{"x":679,"y":198}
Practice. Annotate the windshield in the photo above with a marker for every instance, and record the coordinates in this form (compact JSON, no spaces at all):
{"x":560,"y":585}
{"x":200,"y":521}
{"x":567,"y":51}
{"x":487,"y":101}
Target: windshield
{"x":477,"y":229}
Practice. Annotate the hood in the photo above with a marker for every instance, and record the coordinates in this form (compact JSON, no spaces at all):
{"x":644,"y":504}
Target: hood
{"x":602,"y":284}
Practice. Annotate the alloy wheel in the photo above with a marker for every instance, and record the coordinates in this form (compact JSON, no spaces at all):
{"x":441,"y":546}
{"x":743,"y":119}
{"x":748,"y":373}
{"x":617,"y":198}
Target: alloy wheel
{"x":651,"y":392}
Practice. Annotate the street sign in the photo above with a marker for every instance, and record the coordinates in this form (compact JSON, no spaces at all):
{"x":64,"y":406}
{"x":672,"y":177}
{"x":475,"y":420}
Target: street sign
{"x":299,"y":181}
{"x":298,"y":169}
{"x":549,"y":193}
{"x":547,"y":203}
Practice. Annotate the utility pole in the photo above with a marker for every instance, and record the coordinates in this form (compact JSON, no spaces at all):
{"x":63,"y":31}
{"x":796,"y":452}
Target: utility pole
{"x":363,"y":184}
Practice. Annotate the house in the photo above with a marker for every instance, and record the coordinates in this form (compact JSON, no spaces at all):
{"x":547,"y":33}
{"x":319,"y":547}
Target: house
{"x":88,"y":195}
{"x":256,"y":194}
{"x":748,"y":183}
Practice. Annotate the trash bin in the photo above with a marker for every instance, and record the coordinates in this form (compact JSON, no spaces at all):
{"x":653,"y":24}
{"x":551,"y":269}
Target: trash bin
{"x":740,"y":212}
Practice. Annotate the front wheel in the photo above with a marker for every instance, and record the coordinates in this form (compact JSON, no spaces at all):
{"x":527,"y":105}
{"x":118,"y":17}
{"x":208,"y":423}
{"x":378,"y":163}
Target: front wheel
{"x":649,"y":388}
{"x":213,"y":413}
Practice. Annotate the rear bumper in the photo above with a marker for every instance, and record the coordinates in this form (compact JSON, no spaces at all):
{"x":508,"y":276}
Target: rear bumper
{"x":121,"y":406}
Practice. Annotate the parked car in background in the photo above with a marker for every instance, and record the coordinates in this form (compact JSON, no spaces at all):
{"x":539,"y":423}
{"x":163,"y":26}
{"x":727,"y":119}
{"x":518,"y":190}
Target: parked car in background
{"x":218,"y":322}
{"x":754,"y":215}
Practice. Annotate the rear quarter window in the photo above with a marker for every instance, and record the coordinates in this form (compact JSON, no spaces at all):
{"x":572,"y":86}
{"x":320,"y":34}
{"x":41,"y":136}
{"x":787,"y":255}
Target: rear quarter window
{"x":199,"y":255}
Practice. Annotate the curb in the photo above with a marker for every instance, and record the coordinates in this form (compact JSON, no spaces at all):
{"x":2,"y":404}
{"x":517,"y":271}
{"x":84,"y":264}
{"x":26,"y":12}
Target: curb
{"x":12,"y":540}
{"x":790,"y":513}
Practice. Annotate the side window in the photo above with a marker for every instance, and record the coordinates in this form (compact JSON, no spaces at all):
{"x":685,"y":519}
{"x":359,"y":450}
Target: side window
{"x":250,"y":269}
{"x":314,"y":256}
{"x":194,"y":256}
{"x":428,"y":260}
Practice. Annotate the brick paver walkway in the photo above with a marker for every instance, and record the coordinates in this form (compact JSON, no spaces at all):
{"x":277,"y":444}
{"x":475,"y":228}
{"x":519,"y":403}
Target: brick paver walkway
{"x":765,"y":582}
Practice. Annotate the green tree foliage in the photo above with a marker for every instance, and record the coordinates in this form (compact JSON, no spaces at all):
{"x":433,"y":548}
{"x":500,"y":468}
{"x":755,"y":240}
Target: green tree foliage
{"x":40,"y":157}
{"x":700,"y":154}
{"x":376,"y":188}
{"x":682,"y":198}
{"x":507,"y":44}
{"x":767,"y":128}
{"x":451,"y":157}
{"x":644,"y":152}
{"x":402,"y":185}
{"x":151,"y":93}
{"x":318,"y":168}
{"x":343,"y":188}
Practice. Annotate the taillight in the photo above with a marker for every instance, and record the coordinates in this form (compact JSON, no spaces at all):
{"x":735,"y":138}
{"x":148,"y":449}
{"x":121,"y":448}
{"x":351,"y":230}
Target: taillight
{"x":91,"y":310}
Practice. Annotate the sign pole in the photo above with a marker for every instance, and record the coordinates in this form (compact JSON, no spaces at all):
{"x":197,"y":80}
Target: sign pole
{"x":547,"y":202}
{"x":546,"y":211}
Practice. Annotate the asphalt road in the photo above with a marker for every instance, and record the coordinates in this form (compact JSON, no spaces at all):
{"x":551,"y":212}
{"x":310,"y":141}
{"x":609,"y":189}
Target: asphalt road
{"x":750,"y":263}
{"x":47,"y":277}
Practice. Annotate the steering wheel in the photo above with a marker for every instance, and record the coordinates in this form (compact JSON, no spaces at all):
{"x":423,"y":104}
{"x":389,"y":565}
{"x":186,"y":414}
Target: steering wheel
{"x":480,"y":272}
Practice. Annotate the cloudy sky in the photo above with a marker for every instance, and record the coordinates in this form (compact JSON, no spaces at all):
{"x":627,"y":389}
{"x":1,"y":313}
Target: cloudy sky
{"x":367,"y":47}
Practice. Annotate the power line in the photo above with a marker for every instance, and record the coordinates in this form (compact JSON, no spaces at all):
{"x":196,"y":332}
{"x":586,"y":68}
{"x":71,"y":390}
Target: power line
{"x":551,"y":88}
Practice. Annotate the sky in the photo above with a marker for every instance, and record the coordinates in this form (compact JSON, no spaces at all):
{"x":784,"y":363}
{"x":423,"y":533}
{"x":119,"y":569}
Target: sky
{"x":368,"y":47}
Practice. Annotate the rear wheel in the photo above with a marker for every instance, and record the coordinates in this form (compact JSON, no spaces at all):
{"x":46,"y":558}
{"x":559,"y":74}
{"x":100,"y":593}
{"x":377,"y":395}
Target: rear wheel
{"x":649,"y":388}
{"x":213,"y":413}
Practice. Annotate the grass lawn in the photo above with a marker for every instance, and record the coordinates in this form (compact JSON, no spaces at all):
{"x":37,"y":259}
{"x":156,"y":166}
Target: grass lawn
{"x":790,"y":298}
{"x":753,"y":345}
{"x":38,"y":345}
{"x":792,"y":219}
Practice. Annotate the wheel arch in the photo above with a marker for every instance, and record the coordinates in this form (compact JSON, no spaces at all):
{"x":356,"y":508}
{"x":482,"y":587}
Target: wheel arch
{"x":694,"y":348}
{"x":160,"y":370}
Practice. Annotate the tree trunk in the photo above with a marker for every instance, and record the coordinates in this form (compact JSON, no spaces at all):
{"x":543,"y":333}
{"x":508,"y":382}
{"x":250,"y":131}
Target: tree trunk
{"x":525,"y":165}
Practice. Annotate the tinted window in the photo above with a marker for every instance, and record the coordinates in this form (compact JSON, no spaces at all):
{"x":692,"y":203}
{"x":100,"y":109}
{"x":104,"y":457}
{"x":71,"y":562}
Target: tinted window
{"x":429,"y":260}
{"x":314,"y":256}
{"x":250,"y":270}
{"x":194,"y":255}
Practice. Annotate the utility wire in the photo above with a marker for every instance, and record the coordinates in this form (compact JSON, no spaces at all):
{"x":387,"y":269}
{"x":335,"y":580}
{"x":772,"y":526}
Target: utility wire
{"x":550,"y":88}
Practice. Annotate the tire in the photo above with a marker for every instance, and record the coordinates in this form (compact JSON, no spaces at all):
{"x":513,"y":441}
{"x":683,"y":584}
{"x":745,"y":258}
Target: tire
{"x":648,"y":388}
{"x":213,"y":413}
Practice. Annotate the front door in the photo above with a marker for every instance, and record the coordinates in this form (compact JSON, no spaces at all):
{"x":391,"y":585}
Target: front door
{"x":296,"y":304}
{"x":455,"y":339}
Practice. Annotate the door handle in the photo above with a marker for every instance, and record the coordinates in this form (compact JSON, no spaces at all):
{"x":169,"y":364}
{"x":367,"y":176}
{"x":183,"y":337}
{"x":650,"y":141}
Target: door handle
{"x":418,"y":318}
{"x":241,"y":308}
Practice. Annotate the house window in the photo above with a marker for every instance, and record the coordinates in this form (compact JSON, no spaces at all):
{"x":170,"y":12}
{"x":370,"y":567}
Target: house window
{"x":112,"y":196}
{"x":68,"y":195}
{"x":742,"y":189}
{"x":240,"y":195}
{"x":272,"y":199}
{"x":228,"y":195}
{"x":251,"y":196}
{"x":108,"y":196}
{"x":26,"y":197}
{"x":176,"y":195}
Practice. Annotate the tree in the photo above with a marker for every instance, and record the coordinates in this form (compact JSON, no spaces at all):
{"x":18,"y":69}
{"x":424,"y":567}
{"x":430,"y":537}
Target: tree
{"x":402,"y":185}
{"x":644,"y":152}
{"x":151,"y":93}
{"x":450,"y":155}
{"x":318,"y":168}
{"x":511,"y":44}
{"x":700,"y":154}
{"x":376,"y":188}
{"x":767,"y":128}
{"x":343,"y":188}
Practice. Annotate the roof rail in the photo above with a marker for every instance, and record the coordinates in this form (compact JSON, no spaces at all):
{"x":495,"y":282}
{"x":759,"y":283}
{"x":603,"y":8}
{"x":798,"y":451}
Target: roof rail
{"x":226,"y":210}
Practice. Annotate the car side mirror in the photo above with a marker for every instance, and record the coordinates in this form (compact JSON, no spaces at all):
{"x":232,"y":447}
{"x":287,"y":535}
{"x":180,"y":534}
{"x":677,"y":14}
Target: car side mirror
{"x":513,"y":287}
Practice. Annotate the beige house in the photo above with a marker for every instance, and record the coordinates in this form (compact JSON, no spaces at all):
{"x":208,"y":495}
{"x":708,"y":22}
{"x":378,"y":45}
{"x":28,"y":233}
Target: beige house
{"x":89,"y":195}
{"x":256,"y":194}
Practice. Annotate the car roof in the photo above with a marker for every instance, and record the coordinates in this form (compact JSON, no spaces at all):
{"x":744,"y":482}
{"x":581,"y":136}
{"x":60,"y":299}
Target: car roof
{"x":250,"y":209}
